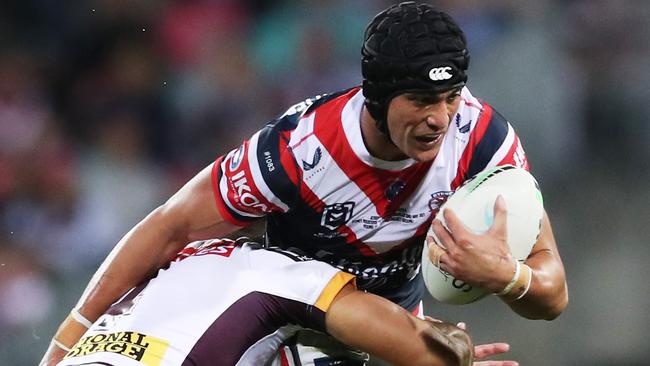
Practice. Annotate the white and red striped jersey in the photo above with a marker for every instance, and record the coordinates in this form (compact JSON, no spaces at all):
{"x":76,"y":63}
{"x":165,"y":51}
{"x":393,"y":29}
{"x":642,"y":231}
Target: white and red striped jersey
{"x":325,"y":196}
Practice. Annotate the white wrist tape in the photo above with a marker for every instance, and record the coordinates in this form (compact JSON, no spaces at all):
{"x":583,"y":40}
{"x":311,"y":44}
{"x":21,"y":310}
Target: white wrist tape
{"x":60,"y":345}
{"x":513,"y":281}
{"x":530,"y":279}
{"x":76,"y":315}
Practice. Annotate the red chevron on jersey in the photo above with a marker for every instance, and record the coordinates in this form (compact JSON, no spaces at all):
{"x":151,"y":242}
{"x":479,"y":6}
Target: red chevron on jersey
{"x":372,"y":181}
{"x":516,"y":156}
{"x":476,"y":135}
{"x":492,"y":141}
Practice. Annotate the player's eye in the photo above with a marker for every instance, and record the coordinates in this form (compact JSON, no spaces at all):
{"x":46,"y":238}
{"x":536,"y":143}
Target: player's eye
{"x":423,"y":100}
{"x":453,"y":96}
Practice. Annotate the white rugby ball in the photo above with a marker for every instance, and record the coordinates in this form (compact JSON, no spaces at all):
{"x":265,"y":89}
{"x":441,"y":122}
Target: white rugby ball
{"x":473,"y":203}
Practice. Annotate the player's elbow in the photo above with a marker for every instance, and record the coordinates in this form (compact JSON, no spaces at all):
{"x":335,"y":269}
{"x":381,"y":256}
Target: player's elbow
{"x":559,"y":303}
{"x":548,"y":307}
{"x":167,"y":228}
{"x":171,"y":218}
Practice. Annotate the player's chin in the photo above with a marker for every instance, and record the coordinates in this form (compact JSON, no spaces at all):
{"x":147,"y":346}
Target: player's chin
{"x":424,"y":153}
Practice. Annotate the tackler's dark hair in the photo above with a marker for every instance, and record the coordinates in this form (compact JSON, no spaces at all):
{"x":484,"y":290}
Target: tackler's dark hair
{"x":410,"y":47}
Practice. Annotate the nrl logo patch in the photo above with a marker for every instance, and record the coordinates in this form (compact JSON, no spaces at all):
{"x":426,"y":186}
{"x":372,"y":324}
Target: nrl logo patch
{"x":336,"y":215}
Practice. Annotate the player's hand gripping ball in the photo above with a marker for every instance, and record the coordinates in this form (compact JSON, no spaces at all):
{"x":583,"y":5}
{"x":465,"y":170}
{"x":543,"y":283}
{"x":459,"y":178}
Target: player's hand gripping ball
{"x":473,"y":203}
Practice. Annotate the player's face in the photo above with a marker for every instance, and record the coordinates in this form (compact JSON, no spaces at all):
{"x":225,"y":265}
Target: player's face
{"x":418,"y":122}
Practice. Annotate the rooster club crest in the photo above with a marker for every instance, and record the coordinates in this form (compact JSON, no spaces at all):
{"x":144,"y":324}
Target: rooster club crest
{"x":437,"y":199}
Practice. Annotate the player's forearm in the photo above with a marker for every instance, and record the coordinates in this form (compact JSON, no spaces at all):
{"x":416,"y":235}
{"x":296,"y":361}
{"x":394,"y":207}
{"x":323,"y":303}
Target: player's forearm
{"x":386,"y":330}
{"x":143,"y":250}
{"x":547,"y":295}
{"x":153,"y":242}
{"x":139,"y":254}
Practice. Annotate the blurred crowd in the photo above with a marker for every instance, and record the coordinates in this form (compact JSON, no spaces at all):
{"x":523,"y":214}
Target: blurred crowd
{"x":108,"y":106}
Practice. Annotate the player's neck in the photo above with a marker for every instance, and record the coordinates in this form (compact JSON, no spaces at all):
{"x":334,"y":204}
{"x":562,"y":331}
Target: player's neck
{"x":378,"y":143}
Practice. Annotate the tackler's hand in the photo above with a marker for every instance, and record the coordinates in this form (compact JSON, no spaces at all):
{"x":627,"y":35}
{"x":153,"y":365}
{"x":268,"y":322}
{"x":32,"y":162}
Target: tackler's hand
{"x":483,"y":351}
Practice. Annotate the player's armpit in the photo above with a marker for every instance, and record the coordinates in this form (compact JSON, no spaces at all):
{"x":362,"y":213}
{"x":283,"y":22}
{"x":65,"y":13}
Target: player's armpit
{"x":397,"y":336}
{"x":548,"y":295}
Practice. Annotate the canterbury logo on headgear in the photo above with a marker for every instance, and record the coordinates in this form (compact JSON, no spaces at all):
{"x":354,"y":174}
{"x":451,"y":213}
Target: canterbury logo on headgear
{"x":440,"y":73}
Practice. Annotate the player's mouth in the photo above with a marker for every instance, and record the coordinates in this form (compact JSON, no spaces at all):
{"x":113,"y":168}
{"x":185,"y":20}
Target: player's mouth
{"x":429,"y":139}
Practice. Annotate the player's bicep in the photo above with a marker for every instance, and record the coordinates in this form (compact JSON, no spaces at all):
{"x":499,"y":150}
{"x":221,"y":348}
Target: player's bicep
{"x":506,"y":146}
{"x":545,"y":241}
{"x":194,"y":210}
{"x":548,"y":294}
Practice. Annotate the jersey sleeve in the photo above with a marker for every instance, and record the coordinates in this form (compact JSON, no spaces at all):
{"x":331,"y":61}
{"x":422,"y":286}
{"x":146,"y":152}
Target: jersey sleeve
{"x":257,"y":178}
{"x":262,"y":176}
{"x":492,"y":142}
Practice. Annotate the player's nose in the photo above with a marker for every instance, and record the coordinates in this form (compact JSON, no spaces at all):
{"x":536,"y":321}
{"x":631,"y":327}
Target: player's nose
{"x":437,"y":115}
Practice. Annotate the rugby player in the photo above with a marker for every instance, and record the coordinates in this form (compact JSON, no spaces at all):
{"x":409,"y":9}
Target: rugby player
{"x":354,"y":179}
{"x":224,"y":302}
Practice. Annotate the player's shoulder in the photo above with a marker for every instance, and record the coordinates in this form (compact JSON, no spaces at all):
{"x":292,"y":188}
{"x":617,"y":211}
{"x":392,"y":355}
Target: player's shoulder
{"x":475,"y":116}
{"x":296,"y":112}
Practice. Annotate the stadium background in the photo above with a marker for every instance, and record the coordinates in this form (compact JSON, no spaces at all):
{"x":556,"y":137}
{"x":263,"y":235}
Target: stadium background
{"x":108,"y":106}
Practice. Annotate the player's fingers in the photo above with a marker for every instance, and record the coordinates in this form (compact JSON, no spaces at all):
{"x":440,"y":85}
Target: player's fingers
{"x":435,"y":252}
{"x":462,"y":325}
{"x":445,"y":238}
{"x":431,"y":241}
{"x":455,"y":225}
{"x":490,"y":349}
{"x":499,"y":225}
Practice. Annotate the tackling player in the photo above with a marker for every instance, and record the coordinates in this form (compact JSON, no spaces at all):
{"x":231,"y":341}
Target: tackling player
{"x":354,"y":178}
{"x":224,"y":302}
